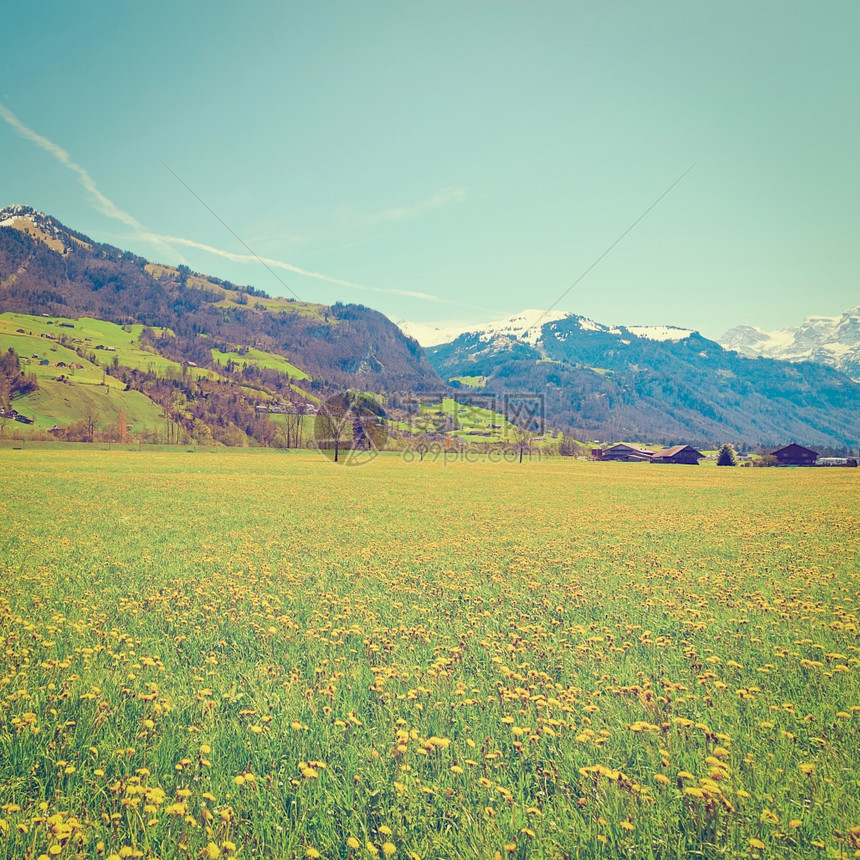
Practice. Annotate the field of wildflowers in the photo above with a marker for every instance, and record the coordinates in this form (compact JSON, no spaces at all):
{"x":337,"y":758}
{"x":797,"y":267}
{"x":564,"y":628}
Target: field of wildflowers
{"x":263,"y":655}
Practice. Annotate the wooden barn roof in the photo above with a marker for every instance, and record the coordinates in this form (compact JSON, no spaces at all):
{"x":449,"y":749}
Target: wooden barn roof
{"x":675,"y":449}
{"x":795,"y":449}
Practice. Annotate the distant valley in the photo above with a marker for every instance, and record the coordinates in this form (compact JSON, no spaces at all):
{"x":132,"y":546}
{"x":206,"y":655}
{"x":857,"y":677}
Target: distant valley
{"x":106,"y":334}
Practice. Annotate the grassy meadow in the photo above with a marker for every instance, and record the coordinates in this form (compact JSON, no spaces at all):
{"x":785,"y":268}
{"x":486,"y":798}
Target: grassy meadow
{"x":255,"y":654}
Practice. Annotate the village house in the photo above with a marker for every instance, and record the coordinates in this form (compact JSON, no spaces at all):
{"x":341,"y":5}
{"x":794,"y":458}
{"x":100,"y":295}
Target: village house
{"x":795,"y":455}
{"x":627,"y":453}
{"x":684,"y":454}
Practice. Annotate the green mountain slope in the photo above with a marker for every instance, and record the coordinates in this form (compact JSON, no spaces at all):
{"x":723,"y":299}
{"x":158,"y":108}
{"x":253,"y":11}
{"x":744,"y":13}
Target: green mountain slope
{"x":47,"y":268}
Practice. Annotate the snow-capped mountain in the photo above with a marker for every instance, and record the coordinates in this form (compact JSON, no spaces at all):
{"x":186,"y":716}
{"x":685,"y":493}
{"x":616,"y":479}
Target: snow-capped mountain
{"x":834,"y":341}
{"x":646,"y":381}
{"x":530,"y":326}
{"x":40,"y":226}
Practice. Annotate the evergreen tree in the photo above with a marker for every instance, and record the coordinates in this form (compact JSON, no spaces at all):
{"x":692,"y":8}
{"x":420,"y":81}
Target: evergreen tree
{"x":727,"y":455}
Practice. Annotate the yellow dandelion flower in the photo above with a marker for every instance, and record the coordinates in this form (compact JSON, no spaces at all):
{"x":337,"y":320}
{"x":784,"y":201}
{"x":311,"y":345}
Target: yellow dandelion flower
{"x":352,"y":843}
{"x":768,"y":816}
{"x":756,"y":843}
{"x":388,"y":849}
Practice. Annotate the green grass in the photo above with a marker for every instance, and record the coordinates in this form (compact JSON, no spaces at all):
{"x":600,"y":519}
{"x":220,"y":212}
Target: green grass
{"x":448,"y":659}
{"x":469,"y":418}
{"x":231,"y":297}
{"x":33,"y":350}
{"x":262,"y":359}
{"x":61,"y":403}
{"x":470,"y":381}
{"x":87,"y":388}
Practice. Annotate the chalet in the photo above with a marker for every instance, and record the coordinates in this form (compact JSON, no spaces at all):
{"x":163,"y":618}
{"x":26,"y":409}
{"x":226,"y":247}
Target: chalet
{"x":685,"y":454}
{"x":627,"y":453}
{"x":795,"y":455}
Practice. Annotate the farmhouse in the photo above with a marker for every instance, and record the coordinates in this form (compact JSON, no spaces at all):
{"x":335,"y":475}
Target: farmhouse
{"x":627,"y":453}
{"x":795,"y":455}
{"x":685,"y":454}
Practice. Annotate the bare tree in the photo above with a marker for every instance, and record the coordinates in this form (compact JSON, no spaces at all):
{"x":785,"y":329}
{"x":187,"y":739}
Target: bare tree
{"x":90,"y":418}
{"x":333,"y":425}
{"x":521,"y":439}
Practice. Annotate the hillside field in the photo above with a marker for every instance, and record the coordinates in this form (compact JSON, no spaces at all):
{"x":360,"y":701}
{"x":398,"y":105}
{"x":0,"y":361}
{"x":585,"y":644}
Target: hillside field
{"x":255,"y":654}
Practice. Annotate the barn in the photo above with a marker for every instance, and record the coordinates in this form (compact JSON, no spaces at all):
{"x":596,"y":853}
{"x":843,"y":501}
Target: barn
{"x":795,"y":455}
{"x":684,"y":454}
{"x":627,"y":453}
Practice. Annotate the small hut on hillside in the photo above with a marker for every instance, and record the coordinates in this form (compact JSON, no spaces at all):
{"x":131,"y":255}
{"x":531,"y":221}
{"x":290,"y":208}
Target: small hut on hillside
{"x":685,"y":454}
{"x":795,"y":455}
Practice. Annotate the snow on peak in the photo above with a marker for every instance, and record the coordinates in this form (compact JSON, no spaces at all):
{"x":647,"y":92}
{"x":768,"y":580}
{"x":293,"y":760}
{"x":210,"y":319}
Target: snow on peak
{"x":428,"y":335}
{"x":524,"y":326}
{"x":659,"y":332}
{"x":9,"y":214}
{"x":527,"y":326}
{"x":831,"y":340}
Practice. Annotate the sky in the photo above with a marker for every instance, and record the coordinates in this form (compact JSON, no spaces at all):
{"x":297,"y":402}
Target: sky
{"x":456,"y":162}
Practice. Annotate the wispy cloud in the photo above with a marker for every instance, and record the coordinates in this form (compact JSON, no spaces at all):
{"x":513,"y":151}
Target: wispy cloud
{"x":349,"y":217}
{"x":107,"y":207}
{"x":280,"y":264}
{"x":101,"y":201}
{"x":104,"y":204}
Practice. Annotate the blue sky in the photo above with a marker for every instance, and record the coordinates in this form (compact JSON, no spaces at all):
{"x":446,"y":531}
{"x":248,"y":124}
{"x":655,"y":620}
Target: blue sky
{"x":455,"y":162}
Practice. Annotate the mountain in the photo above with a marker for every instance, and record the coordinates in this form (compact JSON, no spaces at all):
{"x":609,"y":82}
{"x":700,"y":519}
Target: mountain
{"x":46,"y":267}
{"x":834,"y":341}
{"x":520,"y":325}
{"x":528,"y":326}
{"x":652,"y":382}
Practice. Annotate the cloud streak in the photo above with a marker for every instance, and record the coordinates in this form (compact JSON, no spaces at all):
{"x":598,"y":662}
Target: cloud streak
{"x":107,"y":207}
{"x":104,"y":204}
{"x":280,"y":264}
{"x":406,"y":212}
